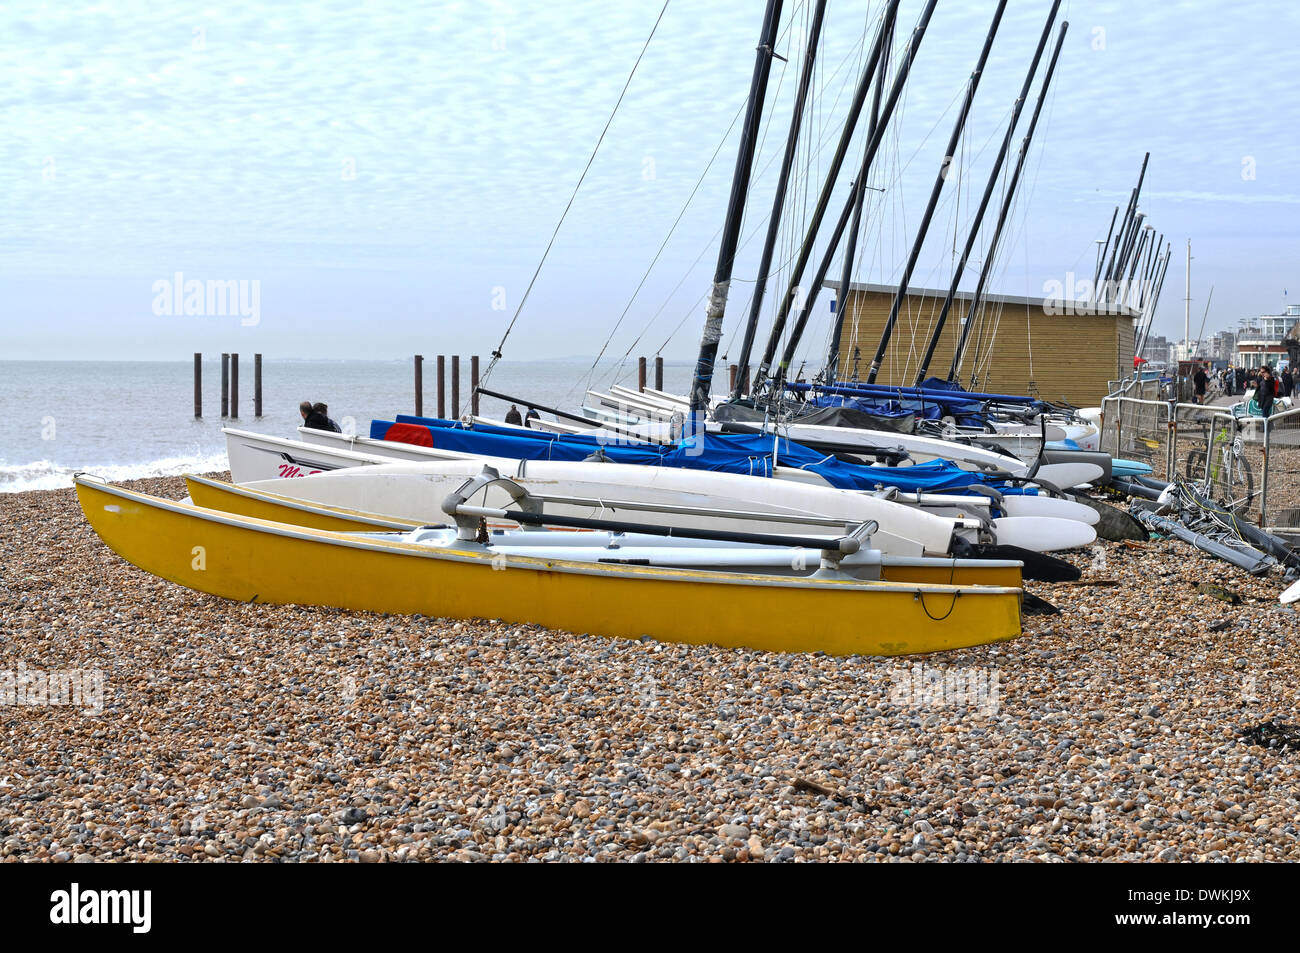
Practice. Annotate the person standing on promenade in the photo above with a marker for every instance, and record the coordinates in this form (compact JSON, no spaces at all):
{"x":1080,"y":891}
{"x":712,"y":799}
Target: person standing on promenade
{"x":512,"y":416}
{"x":1200,"y":380}
{"x":1265,"y":390}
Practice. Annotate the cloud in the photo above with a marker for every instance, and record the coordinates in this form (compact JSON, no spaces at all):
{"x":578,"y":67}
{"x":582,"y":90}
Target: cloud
{"x":437,"y":144}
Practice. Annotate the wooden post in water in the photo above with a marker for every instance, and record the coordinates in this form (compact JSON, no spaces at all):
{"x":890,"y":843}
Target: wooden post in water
{"x":473,"y":382}
{"x":659,"y":373}
{"x":257,"y":385}
{"x":640,"y":374}
{"x":455,"y":385}
{"x":419,"y":385}
{"x":731,"y":377}
{"x":225,"y":385}
{"x":198,"y":386}
{"x":442,"y":386}
{"x":744,"y":379}
{"x":234,"y":386}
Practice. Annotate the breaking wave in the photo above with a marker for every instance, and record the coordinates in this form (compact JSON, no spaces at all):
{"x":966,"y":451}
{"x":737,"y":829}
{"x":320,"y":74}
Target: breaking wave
{"x":47,"y":475}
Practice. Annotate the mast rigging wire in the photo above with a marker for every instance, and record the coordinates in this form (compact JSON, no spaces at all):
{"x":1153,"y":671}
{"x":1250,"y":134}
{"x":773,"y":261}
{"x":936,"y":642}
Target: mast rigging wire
{"x":496,"y":353}
{"x":821,"y":146}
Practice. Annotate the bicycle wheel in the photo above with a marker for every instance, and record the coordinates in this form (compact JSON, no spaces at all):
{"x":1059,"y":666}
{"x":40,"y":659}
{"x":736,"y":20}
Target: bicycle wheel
{"x":1235,"y":484}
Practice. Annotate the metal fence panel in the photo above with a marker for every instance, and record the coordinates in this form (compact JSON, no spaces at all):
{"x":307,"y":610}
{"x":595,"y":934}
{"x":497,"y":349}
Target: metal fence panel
{"x":1212,"y":448}
{"x":1138,"y":430}
{"x":1279,"y":506}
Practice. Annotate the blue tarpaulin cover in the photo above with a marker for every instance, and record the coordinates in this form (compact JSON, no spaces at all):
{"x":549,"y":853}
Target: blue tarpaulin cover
{"x":930,"y":402}
{"x":752,"y":454}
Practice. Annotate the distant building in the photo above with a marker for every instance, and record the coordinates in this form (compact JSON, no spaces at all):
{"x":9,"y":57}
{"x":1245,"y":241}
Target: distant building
{"x":1223,"y":347}
{"x":1158,"y":351}
{"x":1263,"y":340}
{"x":1057,"y":349}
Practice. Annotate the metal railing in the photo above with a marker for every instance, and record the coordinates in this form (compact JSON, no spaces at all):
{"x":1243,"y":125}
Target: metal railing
{"x":1231,"y":455}
{"x":1139,"y":430}
{"x":1210,"y":447}
{"x":1279,"y":507}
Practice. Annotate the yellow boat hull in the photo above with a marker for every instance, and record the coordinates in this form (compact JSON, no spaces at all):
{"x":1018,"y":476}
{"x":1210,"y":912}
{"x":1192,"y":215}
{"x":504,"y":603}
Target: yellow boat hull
{"x":242,"y":501}
{"x":230,"y":498}
{"x":254,"y":560}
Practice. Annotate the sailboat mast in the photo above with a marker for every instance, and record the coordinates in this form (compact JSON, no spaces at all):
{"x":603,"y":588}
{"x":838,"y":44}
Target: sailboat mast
{"x":782,"y":183}
{"x":948,"y":156}
{"x":1129,"y":212}
{"x":1101,"y":259}
{"x":987,"y":197}
{"x":1148,"y":273}
{"x":1005,"y":210}
{"x":1162,"y":266}
{"x":851,"y":246}
{"x":717,"y":305}
{"x":801,"y":322}
{"x":1160,"y":287}
{"x":828,"y":186}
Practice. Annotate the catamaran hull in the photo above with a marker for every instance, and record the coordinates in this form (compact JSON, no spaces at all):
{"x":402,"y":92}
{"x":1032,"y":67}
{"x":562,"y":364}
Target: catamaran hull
{"x":256,"y":561}
{"x":260,"y":504}
{"x":920,"y":524}
{"x":690,"y":498}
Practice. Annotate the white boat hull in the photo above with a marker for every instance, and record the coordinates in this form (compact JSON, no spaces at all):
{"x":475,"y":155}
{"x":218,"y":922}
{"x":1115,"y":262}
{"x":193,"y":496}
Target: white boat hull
{"x":413,"y":486}
{"x":415,"y":490}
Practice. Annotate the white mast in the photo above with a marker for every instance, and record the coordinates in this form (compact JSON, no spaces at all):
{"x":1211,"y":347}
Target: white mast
{"x":1187,"y":304}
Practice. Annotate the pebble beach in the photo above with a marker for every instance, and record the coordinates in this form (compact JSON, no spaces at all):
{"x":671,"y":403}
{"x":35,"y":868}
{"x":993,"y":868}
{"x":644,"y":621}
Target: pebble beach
{"x":1125,"y":728}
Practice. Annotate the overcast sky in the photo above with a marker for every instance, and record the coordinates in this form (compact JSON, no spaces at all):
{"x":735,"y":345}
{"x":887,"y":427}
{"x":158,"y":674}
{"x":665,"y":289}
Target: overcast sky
{"x":388,"y":175}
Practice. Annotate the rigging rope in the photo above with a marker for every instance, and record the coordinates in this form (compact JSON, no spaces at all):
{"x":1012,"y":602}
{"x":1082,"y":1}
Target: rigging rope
{"x":700,"y":181}
{"x":496,"y":354}
{"x":820,"y":148}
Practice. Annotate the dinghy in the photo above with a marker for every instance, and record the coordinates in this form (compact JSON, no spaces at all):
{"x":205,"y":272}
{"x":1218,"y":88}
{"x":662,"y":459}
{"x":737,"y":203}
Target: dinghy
{"x":252,"y":560}
{"x":261,"y":504}
{"x":924,"y":526}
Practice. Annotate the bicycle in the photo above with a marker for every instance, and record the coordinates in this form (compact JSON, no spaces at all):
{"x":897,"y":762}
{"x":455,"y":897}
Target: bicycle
{"x":1227,"y":474}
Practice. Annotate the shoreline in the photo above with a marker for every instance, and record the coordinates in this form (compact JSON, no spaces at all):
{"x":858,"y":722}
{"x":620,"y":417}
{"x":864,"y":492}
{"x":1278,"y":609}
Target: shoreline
{"x":232,"y":732}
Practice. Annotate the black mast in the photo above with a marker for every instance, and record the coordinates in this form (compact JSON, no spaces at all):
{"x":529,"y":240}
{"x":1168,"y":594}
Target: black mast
{"x":1136,"y":262}
{"x":851,"y":246}
{"x":1162,"y":265}
{"x":888,"y":330}
{"x":815,"y":286}
{"x":778,"y":204}
{"x":735,"y":210}
{"x":1153,"y":256}
{"x":1101,"y":259}
{"x":819,"y":211}
{"x":873,"y":146}
{"x":1006,"y":206}
{"x":989,"y":189}
{"x":1129,"y":212}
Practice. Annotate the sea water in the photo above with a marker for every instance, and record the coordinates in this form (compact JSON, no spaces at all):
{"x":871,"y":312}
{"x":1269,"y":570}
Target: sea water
{"x":125,"y":420}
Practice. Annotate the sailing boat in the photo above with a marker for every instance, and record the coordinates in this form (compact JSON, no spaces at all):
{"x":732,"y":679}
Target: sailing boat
{"x":254,"y":560}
